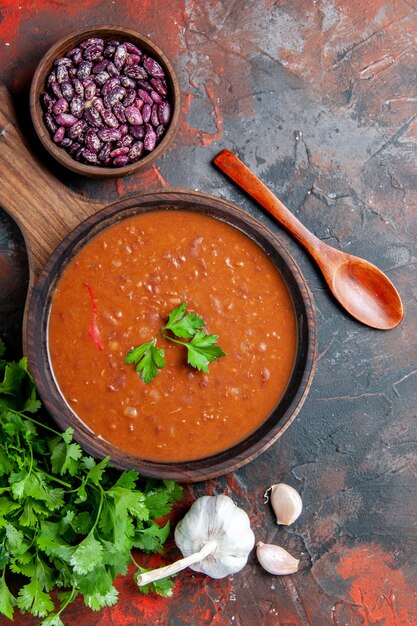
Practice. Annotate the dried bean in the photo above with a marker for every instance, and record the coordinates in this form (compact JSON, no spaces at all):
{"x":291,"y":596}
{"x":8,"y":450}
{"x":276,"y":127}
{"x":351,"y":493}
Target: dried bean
{"x":66,"y":119}
{"x":145,"y":96}
{"x":110,"y":119}
{"x":84,"y":70}
{"x":74,"y":147}
{"x":77,"y":58}
{"x":156,"y":97}
{"x":154,"y":116}
{"x":115,"y":95}
{"x":109,"y":134}
{"x":59,"y":135}
{"x":63,"y":61}
{"x":60,"y":106}
{"x":67,"y":90}
{"x":61,"y":74}
{"x":153,"y":67}
{"x":138,"y":132}
{"x":109,"y":50}
{"x":164,"y":112}
{"x":132,"y":59}
{"x":130,"y":47}
{"x":104,"y":152}
{"x":127,"y":82}
{"x":47,"y":102}
{"x":78,"y":87}
{"x":135,"y":151}
{"x":90,"y":89}
{"x":98,"y":104}
{"x":119,"y":111}
{"x":89,"y":156}
{"x":124,"y":129}
{"x":56,"y":90}
{"x":127,"y":140}
{"x":112,"y":69}
{"x":93,"y":53}
{"x":77,"y":106}
{"x":76,"y":131}
{"x":133,"y":116}
{"x":120,"y":56}
{"x":93,"y":142}
{"x":121,"y":161}
{"x":92,"y":41}
{"x":49,"y":123}
{"x":109,"y":85}
{"x":159,"y":86}
{"x":149,"y":141}
{"x":159,"y":132}
{"x":129,"y":98}
{"x":119,"y":151}
{"x":135,"y":71}
{"x":146,"y":113}
{"x":66,"y":142}
{"x":139,"y":103}
{"x":143,"y":84}
{"x":101,"y":78}
{"x":93,"y":117}
{"x":100,"y":67}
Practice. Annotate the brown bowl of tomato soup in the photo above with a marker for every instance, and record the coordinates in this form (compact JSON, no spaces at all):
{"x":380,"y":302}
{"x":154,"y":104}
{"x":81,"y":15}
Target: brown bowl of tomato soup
{"x":111,"y":286}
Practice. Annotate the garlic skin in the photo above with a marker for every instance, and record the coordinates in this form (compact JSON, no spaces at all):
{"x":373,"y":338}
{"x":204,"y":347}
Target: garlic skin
{"x":286,"y":502}
{"x":275,"y":559}
{"x":216,"y":519}
{"x":215,"y":538}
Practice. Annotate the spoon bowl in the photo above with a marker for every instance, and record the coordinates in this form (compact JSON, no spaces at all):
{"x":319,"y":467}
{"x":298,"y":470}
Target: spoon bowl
{"x":364,"y":291}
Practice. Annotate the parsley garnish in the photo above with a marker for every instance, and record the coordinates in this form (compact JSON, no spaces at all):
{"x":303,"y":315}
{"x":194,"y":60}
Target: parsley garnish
{"x":182,"y":324}
{"x":51,"y":494}
{"x":149,"y":359}
{"x":201,"y":350}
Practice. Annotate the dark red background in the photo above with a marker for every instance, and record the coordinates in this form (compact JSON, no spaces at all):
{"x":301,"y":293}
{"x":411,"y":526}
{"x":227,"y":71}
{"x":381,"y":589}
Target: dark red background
{"x":320,"y":99}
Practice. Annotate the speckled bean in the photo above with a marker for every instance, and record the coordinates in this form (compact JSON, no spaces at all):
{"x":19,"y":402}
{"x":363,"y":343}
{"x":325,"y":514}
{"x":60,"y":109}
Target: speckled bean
{"x":66,"y":119}
{"x":60,"y":106}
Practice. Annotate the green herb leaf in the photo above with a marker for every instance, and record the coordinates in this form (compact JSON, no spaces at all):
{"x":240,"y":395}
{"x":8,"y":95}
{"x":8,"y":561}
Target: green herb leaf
{"x":182,"y":324}
{"x":201,"y":350}
{"x":50,"y":494}
{"x":149,"y":359}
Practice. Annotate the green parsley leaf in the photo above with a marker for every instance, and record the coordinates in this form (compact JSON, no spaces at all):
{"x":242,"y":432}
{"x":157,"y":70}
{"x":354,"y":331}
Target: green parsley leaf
{"x":87,"y":555}
{"x":31,"y":597}
{"x":182,"y":324}
{"x":149,"y":359}
{"x":201,"y":350}
{"x":7,"y":601}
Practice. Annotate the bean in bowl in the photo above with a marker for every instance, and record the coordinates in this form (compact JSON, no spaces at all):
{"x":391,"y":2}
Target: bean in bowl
{"x":107,"y":103}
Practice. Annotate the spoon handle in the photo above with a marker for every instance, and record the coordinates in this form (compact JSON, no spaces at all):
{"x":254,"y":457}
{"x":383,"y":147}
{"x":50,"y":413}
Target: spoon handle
{"x":231,"y":165}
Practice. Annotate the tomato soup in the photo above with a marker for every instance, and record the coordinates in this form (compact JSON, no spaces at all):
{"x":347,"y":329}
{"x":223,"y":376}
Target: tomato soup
{"x":116,"y":294}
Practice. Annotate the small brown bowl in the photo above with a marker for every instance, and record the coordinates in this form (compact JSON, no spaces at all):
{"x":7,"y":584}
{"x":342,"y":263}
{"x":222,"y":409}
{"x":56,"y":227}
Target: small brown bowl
{"x":106,"y":32}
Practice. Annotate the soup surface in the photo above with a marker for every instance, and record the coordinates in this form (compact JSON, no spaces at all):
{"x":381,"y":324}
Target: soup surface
{"x":117,"y":293}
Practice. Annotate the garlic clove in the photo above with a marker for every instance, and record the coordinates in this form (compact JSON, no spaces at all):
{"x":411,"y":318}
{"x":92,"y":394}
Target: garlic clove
{"x":286,"y":502}
{"x":275,"y":559}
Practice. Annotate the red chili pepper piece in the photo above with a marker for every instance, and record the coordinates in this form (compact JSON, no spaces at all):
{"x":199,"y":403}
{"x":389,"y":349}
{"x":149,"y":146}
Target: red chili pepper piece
{"x":93,"y":330}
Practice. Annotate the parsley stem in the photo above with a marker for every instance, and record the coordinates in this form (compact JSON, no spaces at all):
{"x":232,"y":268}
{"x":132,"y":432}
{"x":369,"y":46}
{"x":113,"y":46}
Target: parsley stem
{"x":30,"y":419}
{"x":57,"y":480}
{"x":181,"y":343}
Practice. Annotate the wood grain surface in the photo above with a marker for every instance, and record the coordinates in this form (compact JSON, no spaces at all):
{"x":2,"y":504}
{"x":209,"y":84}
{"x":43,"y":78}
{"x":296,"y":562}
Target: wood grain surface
{"x":320,"y":100}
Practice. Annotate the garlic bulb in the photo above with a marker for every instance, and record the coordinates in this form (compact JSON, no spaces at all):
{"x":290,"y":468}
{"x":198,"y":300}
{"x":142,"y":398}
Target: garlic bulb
{"x":275,"y":559}
{"x":215,"y":538}
{"x":286,"y":502}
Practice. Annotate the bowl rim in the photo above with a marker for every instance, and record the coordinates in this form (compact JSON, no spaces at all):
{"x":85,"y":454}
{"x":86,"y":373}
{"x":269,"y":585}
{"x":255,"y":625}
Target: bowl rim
{"x":37,"y":321}
{"x":36,"y":111}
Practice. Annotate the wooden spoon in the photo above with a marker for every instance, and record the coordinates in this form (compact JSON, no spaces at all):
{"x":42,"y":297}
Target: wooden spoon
{"x":360,"y":287}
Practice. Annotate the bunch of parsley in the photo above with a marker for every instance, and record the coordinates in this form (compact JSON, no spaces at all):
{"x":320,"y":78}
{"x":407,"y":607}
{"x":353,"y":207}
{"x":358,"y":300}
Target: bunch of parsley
{"x":65,"y":520}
